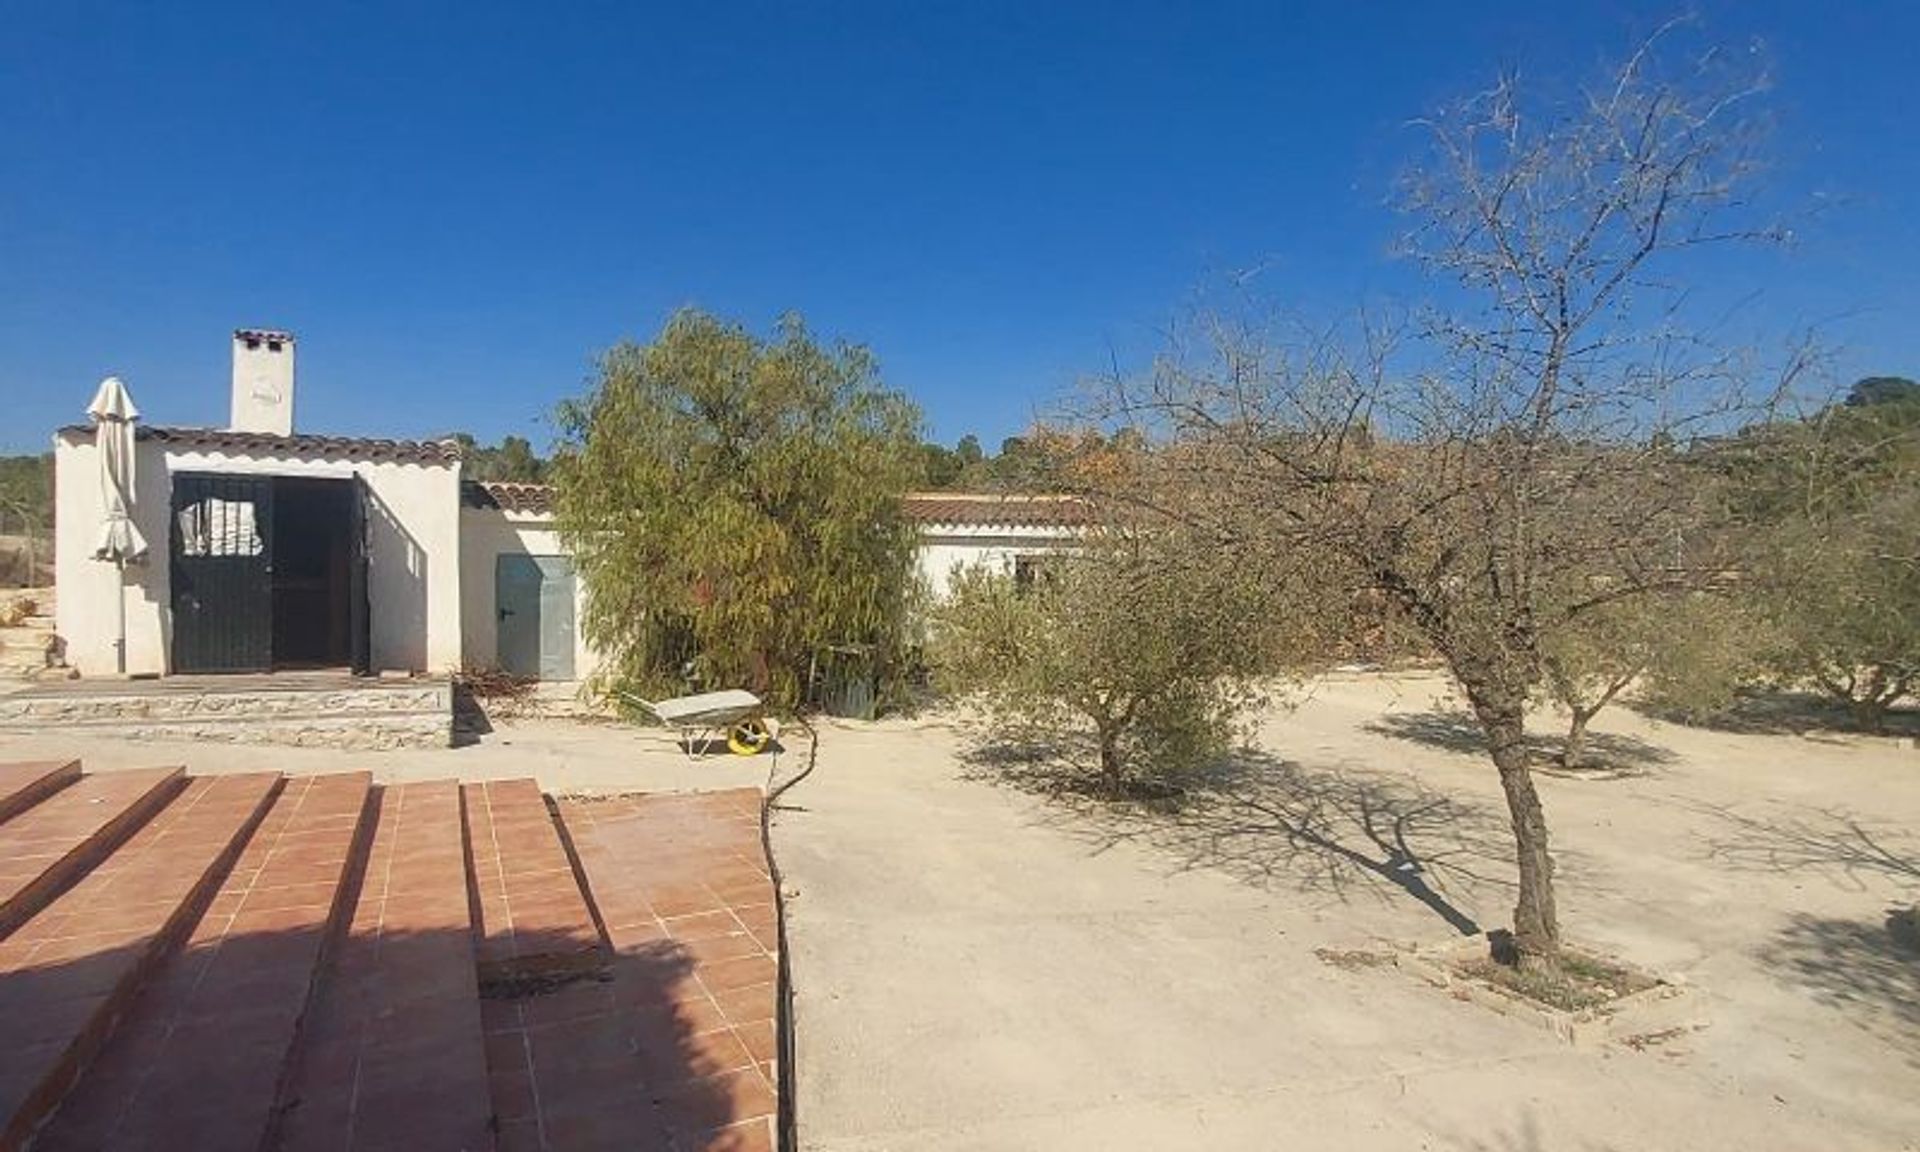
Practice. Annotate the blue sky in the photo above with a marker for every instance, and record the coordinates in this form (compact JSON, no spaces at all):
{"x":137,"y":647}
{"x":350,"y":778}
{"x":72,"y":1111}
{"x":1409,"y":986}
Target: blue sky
{"x":456,"y":207}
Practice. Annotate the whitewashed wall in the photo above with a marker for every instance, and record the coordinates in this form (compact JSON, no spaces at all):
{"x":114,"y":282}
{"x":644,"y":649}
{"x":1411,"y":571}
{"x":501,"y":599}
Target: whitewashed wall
{"x":945,"y":547}
{"x":413,"y":584}
{"x":485,"y":535}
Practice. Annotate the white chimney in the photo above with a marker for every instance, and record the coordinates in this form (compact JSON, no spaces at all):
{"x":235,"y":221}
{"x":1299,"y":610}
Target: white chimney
{"x":263,"y":381}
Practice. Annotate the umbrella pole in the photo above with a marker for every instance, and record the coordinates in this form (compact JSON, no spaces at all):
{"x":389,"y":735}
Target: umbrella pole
{"x":120,"y":603}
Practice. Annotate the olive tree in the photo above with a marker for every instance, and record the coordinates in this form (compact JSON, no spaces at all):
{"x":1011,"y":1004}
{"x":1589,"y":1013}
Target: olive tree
{"x":1588,"y":664}
{"x":1145,"y":649}
{"x":1684,"y":652}
{"x":735,"y":501}
{"x":1522,"y":455}
{"x":1838,"y":555}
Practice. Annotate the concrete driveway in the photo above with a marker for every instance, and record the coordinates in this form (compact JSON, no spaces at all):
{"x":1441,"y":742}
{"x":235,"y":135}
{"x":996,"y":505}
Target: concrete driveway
{"x":978,"y":968}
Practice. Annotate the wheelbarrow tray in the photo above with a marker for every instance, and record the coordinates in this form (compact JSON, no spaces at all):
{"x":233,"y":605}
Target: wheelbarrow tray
{"x":706,"y":710}
{"x":704,"y":714}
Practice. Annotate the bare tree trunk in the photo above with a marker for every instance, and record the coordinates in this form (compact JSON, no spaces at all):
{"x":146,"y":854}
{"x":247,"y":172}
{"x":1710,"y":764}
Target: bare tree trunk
{"x":1870,"y":702}
{"x":1110,"y":771}
{"x":1573,"y":755}
{"x":1870,"y":714}
{"x":1536,"y":926}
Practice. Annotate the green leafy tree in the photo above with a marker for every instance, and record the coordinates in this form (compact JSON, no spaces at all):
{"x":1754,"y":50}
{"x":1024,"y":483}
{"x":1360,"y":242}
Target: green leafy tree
{"x":968,"y":452}
{"x":26,"y":491}
{"x":1837,"y":554}
{"x":512,"y":461}
{"x":940,"y":468}
{"x":516,"y":462}
{"x":735,"y":501}
{"x":1684,"y":652}
{"x":26,"y":512}
{"x":1137,"y":645}
{"x":1874,"y":390}
{"x":1586,"y":666}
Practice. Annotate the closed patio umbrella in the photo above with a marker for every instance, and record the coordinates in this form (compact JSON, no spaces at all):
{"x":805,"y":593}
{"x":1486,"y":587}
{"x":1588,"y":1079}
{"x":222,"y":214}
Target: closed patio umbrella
{"x":120,"y":542}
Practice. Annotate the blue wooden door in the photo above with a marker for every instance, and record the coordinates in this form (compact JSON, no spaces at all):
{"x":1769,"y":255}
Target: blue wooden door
{"x":533,"y":607}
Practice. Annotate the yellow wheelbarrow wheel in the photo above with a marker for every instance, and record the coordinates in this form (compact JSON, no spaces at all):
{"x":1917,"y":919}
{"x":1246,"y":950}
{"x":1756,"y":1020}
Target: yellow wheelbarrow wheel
{"x":748,"y":737}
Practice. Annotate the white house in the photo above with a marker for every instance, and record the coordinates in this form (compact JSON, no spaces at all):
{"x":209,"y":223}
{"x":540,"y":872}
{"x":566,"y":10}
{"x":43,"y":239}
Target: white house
{"x":271,"y":549}
{"x":1009,"y":532}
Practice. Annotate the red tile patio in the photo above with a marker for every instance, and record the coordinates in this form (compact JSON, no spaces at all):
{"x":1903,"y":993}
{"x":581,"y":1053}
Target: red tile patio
{"x":394,"y":1056}
{"x":26,"y":784}
{"x":241,"y":962}
{"x":533,"y":917}
{"x":221,"y":1016}
{"x":48,"y":845}
{"x":681,"y":1031}
{"x":64,"y":977}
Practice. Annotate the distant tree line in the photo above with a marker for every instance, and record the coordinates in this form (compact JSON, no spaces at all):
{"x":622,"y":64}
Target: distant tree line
{"x":26,"y":493}
{"x":26,"y":518}
{"x":513,"y":460}
{"x":1022,"y":464}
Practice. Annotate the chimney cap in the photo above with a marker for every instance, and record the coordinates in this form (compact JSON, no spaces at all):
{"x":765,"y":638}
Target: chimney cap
{"x":274,"y":334}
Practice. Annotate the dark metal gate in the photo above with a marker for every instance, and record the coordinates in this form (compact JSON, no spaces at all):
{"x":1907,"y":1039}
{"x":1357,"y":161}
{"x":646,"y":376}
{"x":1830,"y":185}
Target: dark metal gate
{"x":222,"y":555}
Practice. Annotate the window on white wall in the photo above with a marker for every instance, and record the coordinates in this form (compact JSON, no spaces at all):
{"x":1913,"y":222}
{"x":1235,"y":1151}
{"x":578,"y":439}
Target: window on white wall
{"x":1030,"y":569}
{"x":215,"y":527}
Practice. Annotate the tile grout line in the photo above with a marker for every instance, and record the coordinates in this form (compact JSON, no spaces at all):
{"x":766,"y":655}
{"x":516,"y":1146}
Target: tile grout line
{"x":226,"y":930}
{"x":526,"y":1040}
{"x":500,"y":865}
{"x":379,"y":947}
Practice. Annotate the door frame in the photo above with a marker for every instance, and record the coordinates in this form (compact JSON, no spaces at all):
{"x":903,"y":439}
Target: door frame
{"x":252,"y":630}
{"x":560,"y":663}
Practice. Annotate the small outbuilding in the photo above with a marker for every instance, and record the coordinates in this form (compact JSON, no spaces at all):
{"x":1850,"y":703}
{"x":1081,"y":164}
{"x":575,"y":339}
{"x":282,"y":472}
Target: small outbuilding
{"x":1012,"y":533}
{"x":268,"y":550}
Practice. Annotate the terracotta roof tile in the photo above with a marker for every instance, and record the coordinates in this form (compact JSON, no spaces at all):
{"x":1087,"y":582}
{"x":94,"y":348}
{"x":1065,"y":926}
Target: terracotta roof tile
{"x":998,"y":509}
{"x":508,"y":497}
{"x":969,"y":508}
{"x":269,"y":444}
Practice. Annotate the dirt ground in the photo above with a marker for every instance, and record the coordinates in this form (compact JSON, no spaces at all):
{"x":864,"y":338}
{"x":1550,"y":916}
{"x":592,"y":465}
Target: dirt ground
{"x":979,"y":966}
{"x":563,"y":755}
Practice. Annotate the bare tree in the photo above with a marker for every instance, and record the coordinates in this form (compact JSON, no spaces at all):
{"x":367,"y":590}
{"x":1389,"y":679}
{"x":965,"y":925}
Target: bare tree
{"x":1520,"y":455}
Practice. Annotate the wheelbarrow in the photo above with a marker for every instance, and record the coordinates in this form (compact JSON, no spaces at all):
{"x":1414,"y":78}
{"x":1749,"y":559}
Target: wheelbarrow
{"x":736,"y":712}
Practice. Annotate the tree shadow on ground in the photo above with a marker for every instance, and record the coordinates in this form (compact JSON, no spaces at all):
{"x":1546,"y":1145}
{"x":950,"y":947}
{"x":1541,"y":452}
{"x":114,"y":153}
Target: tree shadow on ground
{"x":1869,"y":970}
{"x":1778,"y":712}
{"x":1527,"y":1137}
{"x":1608,"y":755}
{"x":1831,"y":841}
{"x":1059,"y":766}
{"x":1268,"y":822}
{"x":1866,"y":968}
